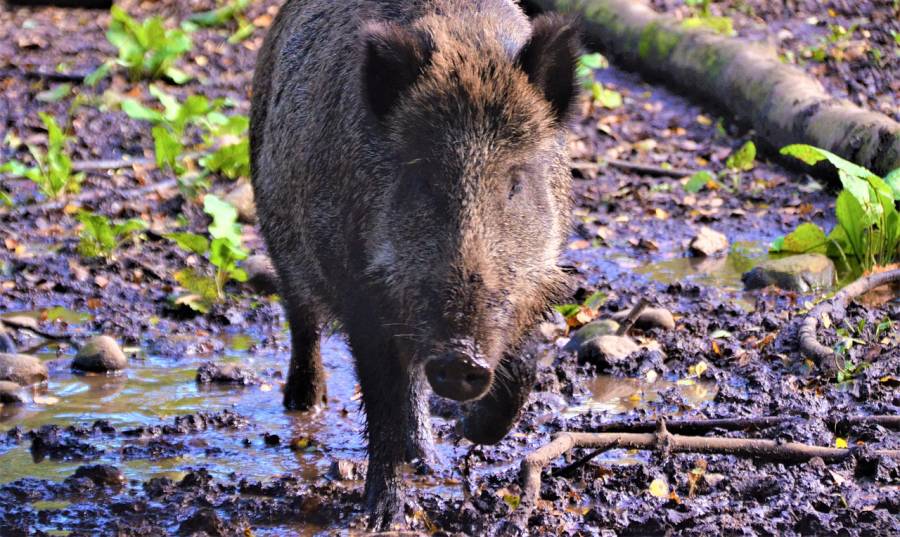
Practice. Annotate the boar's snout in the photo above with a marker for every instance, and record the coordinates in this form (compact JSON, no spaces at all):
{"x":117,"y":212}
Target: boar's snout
{"x":459,"y":374}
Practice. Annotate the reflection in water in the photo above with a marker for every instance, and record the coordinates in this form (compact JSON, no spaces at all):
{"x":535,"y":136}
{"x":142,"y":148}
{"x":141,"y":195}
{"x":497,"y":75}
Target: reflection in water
{"x":616,"y":395}
{"x":153,"y":390}
{"x":720,"y":272}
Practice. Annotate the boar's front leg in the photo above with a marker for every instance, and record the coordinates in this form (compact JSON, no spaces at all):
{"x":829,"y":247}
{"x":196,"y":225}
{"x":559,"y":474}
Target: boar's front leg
{"x":419,"y":442}
{"x":385,"y":385}
{"x":305,"y":386}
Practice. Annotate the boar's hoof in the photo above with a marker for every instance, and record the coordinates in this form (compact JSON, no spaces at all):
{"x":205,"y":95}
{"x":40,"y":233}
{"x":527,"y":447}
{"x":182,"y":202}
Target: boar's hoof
{"x":303,"y":397}
{"x":458,"y":376}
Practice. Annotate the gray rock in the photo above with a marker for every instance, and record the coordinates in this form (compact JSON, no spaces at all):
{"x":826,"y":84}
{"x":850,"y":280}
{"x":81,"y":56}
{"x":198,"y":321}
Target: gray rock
{"x":11,"y":393}
{"x":241,"y":196}
{"x":22,"y":369}
{"x":650,"y":318}
{"x":604,"y":327}
{"x":6,"y":343}
{"x":800,"y":273}
{"x":210,"y":373}
{"x":100,"y":354}
{"x":607,"y":350}
{"x":708,"y":242}
{"x":261,"y":274}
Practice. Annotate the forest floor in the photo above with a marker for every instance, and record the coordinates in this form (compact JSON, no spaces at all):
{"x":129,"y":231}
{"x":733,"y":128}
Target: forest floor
{"x":151,"y":452}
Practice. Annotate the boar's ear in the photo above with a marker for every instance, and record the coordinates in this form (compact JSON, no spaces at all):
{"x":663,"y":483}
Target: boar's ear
{"x":549,"y":60}
{"x":394,"y":59}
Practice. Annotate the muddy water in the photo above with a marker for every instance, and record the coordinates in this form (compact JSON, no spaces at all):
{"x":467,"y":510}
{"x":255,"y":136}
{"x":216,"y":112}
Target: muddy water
{"x":155,"y":389}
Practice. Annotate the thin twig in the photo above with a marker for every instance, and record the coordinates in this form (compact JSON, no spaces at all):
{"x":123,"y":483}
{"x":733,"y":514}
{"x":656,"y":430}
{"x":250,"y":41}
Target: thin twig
{"x":632,"y":316}
{"x":32,"y":326}
{"x":533,"y":464}
{"x":646,"y":169}
{"x":845,"y":423}
{"x":695,"y":426}
{"x":808,"y":342}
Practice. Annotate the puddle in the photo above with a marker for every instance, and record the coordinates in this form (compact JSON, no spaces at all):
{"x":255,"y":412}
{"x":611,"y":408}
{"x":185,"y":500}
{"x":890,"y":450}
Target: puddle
{"x":154,"y":390}
{"x":617,"y":395}
{"x":55,"y":314}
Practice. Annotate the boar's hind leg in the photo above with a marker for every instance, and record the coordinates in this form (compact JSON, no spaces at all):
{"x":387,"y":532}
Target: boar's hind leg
{"x":385,"y":390}
{"x":419,"y":442}
{"x":306,"y":378}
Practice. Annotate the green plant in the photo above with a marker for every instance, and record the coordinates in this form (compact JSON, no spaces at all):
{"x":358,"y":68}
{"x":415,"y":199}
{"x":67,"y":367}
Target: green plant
{"x":101,"y":238}
{"x":233,"y":10}
{"x":868,"y":224}
{"x":175,"y":115}
{"x":585,"y":67}
{"x":224,"y":252}
{"x":741,"y":160}
{"x":580,"y":314}
{"x":52,"y":172}
{"x":146,"y":49}
{"x":703,"y":18}
{"x":6,"y":199}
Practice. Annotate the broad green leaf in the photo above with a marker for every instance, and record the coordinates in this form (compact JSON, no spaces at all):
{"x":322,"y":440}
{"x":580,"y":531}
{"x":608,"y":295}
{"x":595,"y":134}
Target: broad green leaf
{"x":698,"y":181}
{"x":58,"y":93}
{"x":596,"y":300}
{"x":852,"y":218}
{"x":136,"y":110}
{"x":168,"y":148}
{"x":744,"y":159}
{"x":191,"y":242}
{"x":777,"y":245}
{"x":98,"y":74}
{"x":199,"y":284}
{"x":568,"y":310}
{"x":853,"y":177}
{"x":893,"y":181}
{"x":5,"y":199}
{"x":808,"y":237}
{"x":224,"y":215}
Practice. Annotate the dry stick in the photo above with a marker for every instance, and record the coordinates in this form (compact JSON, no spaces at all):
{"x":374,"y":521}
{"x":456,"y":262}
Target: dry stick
{"x":32,"y":327}
{"x":888,"y":422}
{"x":647,"y":169}
{"x":697,"y":426}
{"x":530,"y":471}
{"x":808,"y":342}
{"x":632,"y":317}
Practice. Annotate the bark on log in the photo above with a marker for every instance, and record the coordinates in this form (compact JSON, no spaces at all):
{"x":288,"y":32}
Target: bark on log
{"x":748,"y":81}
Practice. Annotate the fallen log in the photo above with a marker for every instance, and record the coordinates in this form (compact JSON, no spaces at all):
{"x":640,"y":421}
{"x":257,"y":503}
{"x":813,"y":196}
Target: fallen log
{"x":665,"y":442}
{"x":747,"y":81}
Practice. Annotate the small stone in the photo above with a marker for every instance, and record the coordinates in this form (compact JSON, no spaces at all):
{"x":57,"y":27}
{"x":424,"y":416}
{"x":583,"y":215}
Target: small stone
{"x":100,"y":354}
{"x":347,"y":470}
{"x":650,"y":318}
{"x":802,"y":273}
{"x":604,"y":327}
{"x":708,"y":242}
{"x":210,"y":372}
{"x":22,"y":369}
{"x":607,"y":350}
{"x":261,"y":274}
{"x":241,"y":196}
{"x":271,"y":439}
{"x":11,"y":393}
{"x":101,"y":475}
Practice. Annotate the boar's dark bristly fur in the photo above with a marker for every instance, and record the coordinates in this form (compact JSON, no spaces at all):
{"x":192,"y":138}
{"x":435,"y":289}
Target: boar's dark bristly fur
{"x":411,"y":182}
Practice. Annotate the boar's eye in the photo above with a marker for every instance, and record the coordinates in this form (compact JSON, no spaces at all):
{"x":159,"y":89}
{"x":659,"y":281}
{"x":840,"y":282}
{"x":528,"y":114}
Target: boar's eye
{"x":517,"y":183}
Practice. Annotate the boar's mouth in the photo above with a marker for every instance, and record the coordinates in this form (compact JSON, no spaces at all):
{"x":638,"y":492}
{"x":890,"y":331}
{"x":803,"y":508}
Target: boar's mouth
{"x":459,"y":373}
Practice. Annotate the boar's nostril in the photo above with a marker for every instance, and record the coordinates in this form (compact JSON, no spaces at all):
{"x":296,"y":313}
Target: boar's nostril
{"x":458,"y":376}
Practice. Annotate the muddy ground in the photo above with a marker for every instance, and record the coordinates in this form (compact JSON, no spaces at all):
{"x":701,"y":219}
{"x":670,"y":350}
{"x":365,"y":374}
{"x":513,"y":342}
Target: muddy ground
{"x":152,"y":453}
